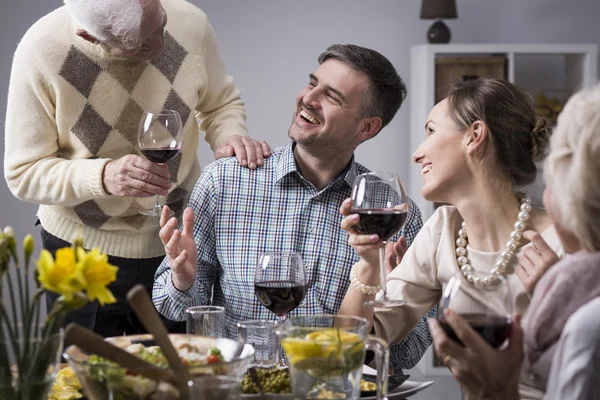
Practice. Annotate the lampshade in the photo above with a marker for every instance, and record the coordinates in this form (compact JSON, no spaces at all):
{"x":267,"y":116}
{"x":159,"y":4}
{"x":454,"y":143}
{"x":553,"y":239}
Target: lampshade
{"x":433,"y":9}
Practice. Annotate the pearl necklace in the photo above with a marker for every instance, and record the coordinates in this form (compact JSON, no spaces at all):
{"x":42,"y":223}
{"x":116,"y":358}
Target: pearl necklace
{"x":511,"y":246}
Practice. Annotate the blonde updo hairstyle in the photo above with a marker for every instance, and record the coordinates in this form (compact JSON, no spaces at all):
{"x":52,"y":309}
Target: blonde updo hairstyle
{"x":517,"y":137}
{"x":572,"y":168}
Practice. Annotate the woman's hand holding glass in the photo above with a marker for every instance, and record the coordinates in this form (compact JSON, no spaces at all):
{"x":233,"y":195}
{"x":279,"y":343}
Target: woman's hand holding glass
{"x":481,"y":369}
{"x":180,"y":247}
{"x":366,"y":246}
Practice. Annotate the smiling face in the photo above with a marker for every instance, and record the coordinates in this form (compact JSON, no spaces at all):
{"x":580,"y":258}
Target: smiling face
{"x":442,"y":155}
{"x":327,"y":115}
{"x":151,"y":35}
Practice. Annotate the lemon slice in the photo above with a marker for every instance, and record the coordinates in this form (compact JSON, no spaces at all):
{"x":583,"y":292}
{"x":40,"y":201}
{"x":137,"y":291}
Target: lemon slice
{"x":326,"y":352}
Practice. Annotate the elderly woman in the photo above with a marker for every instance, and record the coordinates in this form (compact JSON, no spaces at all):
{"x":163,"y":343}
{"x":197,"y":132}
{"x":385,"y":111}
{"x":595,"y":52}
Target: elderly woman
{"x":562,"y":328}
{"x":481,"y":142}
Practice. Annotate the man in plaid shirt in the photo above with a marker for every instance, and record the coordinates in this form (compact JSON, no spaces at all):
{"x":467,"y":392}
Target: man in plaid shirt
{"x":290,"y":204}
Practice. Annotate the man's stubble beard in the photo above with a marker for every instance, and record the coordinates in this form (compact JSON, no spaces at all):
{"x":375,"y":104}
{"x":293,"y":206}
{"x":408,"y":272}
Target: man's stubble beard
{"x":321,"y":147}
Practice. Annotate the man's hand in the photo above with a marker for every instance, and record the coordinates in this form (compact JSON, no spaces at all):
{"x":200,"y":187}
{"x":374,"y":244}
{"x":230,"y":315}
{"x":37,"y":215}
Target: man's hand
{"x":394,"y":252}
{"x":180,"y":248}
{"x":535,"y":261}
{"x":134,"y":176}
{"x":249,"y":153}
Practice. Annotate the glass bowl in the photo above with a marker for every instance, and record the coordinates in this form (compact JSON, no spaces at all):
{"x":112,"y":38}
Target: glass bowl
{"x":109,"y":381}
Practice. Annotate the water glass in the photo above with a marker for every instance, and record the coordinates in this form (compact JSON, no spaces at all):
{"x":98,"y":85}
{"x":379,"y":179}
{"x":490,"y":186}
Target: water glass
{"x":206,"y":321}
{"x":261,"y":335}
{"x":220,"y":387}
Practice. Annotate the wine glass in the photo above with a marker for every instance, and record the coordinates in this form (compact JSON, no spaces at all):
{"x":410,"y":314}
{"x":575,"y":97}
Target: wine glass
{"x":486,"y":308}
{"x":280,"y":282}
{"x":160,"y":137}
{"x":380,"y":200}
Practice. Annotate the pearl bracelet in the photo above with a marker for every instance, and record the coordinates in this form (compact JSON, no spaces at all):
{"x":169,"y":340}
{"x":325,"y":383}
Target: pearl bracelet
{"x":364,"y":289}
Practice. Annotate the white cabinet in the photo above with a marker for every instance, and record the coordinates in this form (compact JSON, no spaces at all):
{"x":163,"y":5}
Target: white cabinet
{"x":553,"y":70}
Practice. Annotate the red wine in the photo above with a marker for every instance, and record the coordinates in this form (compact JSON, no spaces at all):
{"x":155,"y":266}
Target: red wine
{"x":160,"y":155}
{"x":382,"y":222}
{"x":493,"y":328}
{"x":280,"y":297}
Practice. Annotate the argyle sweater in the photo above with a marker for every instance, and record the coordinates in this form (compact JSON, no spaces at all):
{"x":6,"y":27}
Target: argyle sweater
{"x":72,"y":108}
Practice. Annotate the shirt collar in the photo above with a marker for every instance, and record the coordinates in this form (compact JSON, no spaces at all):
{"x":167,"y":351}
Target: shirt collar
{"x":286,"y":165}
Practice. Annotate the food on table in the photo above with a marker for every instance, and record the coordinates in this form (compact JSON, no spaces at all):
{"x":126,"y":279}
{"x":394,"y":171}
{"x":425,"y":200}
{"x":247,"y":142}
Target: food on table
{"x":66,"y":386}
{"x":367,"y":386}
{"x":272,"y":380}
{"x":108,"y":375}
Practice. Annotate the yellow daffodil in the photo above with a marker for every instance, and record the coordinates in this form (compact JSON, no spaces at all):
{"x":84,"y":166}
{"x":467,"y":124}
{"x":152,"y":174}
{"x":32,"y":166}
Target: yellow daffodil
{"x":96,"y":275}
{"x":60,"y":275}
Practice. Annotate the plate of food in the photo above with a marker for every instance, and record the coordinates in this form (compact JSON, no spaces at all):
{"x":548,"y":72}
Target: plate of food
{"x":100,"y":378}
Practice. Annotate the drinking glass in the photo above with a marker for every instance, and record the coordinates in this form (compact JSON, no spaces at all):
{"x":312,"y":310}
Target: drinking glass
{"x":486,"y":308}
{"x":326,"y":355}
{"x":280,"y":282}
{"x":261,"y":335}
{"x":160,"y":137}
{"x":205,"y":321}
{"x":380,"y":200}
{"x":215,"y":387}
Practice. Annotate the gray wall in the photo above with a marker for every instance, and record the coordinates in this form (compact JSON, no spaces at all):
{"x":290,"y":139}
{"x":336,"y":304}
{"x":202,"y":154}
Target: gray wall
{"x":270,"y":47}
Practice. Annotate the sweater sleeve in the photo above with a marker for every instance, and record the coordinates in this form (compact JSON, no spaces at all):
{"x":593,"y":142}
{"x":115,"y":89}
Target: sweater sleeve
{"x":220,"y":108}
{"x":33,"y":167}
{"x":414,"y":280}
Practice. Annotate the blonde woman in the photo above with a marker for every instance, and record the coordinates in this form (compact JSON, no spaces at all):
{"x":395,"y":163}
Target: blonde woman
{"x":481,"y":142}
{"x":562,"y":328}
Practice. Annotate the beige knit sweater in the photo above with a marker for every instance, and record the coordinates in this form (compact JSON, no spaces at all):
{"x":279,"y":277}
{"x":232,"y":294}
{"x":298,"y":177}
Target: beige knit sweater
{"x":72,"y":108}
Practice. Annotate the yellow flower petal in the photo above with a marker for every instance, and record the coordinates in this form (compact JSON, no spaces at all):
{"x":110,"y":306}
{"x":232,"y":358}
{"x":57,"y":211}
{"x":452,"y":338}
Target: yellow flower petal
{"x":58,"y":275}
{"x":101,"y":293}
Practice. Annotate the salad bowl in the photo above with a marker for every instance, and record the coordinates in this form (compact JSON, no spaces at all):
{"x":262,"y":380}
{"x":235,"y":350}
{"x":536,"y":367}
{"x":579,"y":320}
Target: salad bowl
{"x":103,"y":379}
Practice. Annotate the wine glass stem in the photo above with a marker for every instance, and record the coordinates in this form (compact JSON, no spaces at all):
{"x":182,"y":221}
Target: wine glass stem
{"x":382,"y":268}
{"x":282,"y":360}
{"x":157,"y":207}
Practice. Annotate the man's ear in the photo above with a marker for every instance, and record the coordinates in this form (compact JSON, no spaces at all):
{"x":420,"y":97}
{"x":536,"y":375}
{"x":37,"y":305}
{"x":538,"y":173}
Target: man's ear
{"x":369,"y":128}
{"x":476,"y":137}
{"x":82,"y":33}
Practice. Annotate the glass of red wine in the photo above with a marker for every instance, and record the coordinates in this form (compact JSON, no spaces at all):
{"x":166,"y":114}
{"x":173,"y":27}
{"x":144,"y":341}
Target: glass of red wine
{"x":380,"y":200}
{"x":487,"y":309}
{"x":280,"y":282}
{"x":160,"y":137}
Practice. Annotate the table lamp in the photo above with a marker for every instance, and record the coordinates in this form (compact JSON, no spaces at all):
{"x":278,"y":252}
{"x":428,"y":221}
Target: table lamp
{"x":438,"y":9}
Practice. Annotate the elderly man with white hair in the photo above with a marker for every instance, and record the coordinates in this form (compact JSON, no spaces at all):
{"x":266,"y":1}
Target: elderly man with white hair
{"x":81,"y":79}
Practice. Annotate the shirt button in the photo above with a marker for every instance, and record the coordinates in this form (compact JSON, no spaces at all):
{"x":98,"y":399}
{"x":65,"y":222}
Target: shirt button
{"x":311,"y":230}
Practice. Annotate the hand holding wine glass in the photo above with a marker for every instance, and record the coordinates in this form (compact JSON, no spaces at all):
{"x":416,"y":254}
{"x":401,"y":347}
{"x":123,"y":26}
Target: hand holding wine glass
{"x":382,"y":206}
{"x":160,"y":138}
{"x":280,"y":281}
{"x":469,"y":336}
{"x":487,"y":309}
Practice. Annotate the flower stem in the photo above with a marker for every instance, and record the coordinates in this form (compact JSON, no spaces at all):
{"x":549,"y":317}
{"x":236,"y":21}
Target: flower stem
{"x":15,"y":323}
{"x":5,"y":376}
{"x":12,"y":336}
{"x":24,"y":314}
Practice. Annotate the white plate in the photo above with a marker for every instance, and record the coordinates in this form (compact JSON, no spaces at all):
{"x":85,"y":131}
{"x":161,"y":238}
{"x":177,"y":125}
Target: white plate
{"x":408,"y":388}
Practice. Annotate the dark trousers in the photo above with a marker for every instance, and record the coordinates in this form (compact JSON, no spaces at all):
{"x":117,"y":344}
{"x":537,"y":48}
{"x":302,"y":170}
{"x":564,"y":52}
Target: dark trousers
{"x":118,"y":318}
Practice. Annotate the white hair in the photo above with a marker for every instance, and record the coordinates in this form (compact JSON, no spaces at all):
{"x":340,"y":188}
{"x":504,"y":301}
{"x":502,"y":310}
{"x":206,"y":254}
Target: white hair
{"x":109,"y":19}
{"x":572,"y":168}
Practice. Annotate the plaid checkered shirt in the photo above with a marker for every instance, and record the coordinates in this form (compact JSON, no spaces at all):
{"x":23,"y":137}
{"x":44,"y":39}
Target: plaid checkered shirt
{"x":241,"y":213}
